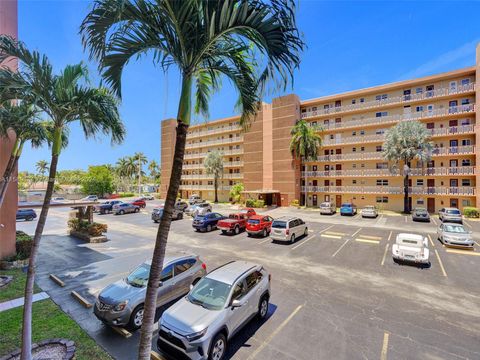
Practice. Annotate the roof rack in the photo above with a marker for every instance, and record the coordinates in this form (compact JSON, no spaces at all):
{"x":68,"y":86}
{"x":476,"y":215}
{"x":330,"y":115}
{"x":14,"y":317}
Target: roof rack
{"x":222,"y":266}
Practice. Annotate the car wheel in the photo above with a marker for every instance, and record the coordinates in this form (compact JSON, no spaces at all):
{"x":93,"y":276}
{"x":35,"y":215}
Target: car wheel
{"x":224,"y":232}
{"x":305,"y":233}
{"x":137,"y":210}
{"x":292,"y":238}
{"x":264,"y":233}
{"x":155,"y":221}
{"x":237,"y":230}
{"x":121,"y":212}
{"x":263,"y":308}
{"x":29,"y":218}
{"x":218,"y":348}
{"x":143,"y":206}
{"x":136,"y":318}
{"x":209,"y":228}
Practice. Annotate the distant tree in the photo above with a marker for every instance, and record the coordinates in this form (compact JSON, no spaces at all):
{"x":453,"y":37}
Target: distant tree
{"x":304,"y":145}
{"x":214,"y":166}
{"x":154,"y":171}
{"x":70,"y":177}
{"x":42,"y":167}
{"x":140,"y":160}
{"x":407,"y":141}
{"x":98,"y":181}
{"x":236,"y":192}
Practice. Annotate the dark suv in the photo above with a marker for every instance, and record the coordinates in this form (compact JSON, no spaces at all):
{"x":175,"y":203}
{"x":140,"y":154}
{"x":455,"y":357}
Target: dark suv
{"x":26,"y":214}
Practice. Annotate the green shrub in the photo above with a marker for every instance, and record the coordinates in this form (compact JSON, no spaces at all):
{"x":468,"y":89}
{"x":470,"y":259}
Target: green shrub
{"x":93,"y":229}
{"x":471,"y":212}
{"x":295,"y":203}
{"x":259,"y":203}
{"x":23,"y":245}
{"x":250,"y":203}
{"x":126,"y":194}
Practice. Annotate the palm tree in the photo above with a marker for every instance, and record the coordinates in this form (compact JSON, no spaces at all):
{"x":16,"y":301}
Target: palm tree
{"x":205,"y":40}
{"x":22,"y":120}
{"x":140,"y":160}
{"x":304,"y":145}
{"x":65,"y":98}
{"x":42,"y":167}
{"x":214,"y":166}
{"x":405,"y":142}
{"x":154,"y":171}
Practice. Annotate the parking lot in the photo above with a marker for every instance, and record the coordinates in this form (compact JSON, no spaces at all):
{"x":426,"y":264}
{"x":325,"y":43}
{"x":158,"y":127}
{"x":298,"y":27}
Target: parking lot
{"x":336,"y":293}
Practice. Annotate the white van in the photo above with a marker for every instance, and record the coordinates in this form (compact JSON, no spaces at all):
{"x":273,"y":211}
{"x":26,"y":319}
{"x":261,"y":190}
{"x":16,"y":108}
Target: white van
{"x":288,"y":229}
{"x":328,"y":208}
{"x":411,"y":247}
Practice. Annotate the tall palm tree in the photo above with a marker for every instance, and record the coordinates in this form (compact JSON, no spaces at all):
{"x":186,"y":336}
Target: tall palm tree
{"x":42,"y":167}
{"x":405,"y":142}
{"x":65,"y":98}
{"x":140,"y":160}
{"x":154,"y":170}
{"x":22,"y":120}
{"x":247,"y":41}
{"x":214,"y":166}
{"x":304,"y":145}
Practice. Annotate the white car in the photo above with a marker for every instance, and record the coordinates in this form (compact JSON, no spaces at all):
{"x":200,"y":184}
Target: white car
{"x":288,"y":229}
{"x":369,"y":211}
{"x":328,"y":208}
{"x":148,"y":197}
{"x":198,"y":209}
{"x":412,"y":248}
{"x":90,"y":198}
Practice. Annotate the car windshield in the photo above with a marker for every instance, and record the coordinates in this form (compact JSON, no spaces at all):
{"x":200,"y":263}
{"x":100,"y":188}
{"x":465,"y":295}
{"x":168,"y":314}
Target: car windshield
{"x":231,"y":216}
{"x":455,"y":229}
{"x":326,"y":205}
{"x":369,"y":208}
{"x":158,"y":211}
{"x":200,"y":217}
{"x":209,"y":293}
{"x":139,"y":276}
{"x":253,"y":221}
{"x":279,"y":224}
{"x":346,"y":205}
{"x":453,"y":212}
{"x":420,"y":211}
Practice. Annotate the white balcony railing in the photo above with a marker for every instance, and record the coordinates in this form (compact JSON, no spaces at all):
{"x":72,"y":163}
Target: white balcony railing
{"x":401,"y":99}
{"x":225,"y":165}
{"x":204,"y":154}
{"x":204,"y":187}
{"x":392,"y":119}
{"x":210,"y":177}
{"x":427,"y":171}
{"x":202,"y":133}
{"x":214,"y":142}
{"x":394,"y":190}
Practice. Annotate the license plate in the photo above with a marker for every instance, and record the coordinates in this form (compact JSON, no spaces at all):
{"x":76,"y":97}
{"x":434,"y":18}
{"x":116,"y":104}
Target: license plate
{"x":223,"y":228}
{"x":410,"y":256}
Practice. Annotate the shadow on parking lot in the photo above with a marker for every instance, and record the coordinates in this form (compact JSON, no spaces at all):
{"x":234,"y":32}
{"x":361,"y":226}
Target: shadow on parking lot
{"x":288,"y":242}
{"x":412,"y":264}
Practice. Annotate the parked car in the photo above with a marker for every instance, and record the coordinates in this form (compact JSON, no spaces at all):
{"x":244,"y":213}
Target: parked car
{"x":327,"y":208}
{"x":207,"y":222}
{"x":157,"y":214}
{"x":107,"y":206}
{"x":450,"y":215}
{"x":125,"y":208}
{"x":369,"y":211}
{"x":201,"y":324}
{"x":148,"y":197}
{"x":259,"y":224}
{"x":139,"y":202}
{"x":90,"y":198}
{"x":59,"y":199}
{"x":420,"y":214}
{"x":194,"y":199}
{"x":181,"y":205}
{"x":198,"y":209}
{"x":26,"y":214}
{"x":112,"y":196}
{"x":121,"y":303}
{"x":348,"y":209}
{"x":411,"y":247}
{"x":453,"y":234}
{"x":248,"y":212}
{"x":233,"y":224}
{"x":288,"y":229}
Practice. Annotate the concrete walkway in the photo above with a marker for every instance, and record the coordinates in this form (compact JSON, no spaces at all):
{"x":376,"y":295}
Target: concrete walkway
{"x":7,"y":305}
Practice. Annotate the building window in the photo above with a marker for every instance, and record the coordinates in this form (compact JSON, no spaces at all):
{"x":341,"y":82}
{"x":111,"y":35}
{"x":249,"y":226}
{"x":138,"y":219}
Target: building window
{"x":466,"y":142}
{"x":362,"y":165}
{"x":382,"y":199}
{"x":465,"y":162}
{"x":466,"y":202}
{"x":354,"y":101}
{"x":354,"y":182}
{"x":331,"y":137}
{"x":362,"y":132}
{"x":381,"y":114}
{"x":419,"y":108}
{"x":465,"y":101}
{"x":380,"y":132}
{"x":382,"y":182}
{"x":382,"y":165}
{"x":354,"y":166}
{"x":381,"y":97}
{"x":354,"y":133}
{"x":419,"y":182}
{"x":378,"y":148}
{"x":420,"y":201}
{"x":362,"y":148}
{"x":465,"y":81}
{"x":362,"y":100}
{"x":419,"y":90}
{"x":465,"y":122}
{"x":354,"y":149}
{"x":465,"y":182}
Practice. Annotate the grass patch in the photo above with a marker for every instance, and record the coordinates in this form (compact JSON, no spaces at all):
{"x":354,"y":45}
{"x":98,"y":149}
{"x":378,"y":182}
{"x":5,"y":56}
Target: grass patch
{"x":49,"y":322}
{"x":16,"y":287}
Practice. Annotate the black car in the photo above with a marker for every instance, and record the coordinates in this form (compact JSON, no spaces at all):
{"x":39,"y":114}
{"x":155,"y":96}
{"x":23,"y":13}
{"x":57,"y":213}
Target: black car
{"x":107,"y":207}
{"x":26,"y":214}
{"x":420,"y":214}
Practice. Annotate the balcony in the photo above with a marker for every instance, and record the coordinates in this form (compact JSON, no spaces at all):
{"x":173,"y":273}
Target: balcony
{"x":202,"y":144}
{"x":210,"y":177}
{"x":204,"y":187}
{"x":202,"y":133}
{"x":204,"y":154}
{"x":452,"y":130}
{"x":377,"y":155}
{"x":400,"y":100}
{"x":225,"y":165}
{"x":394,"y":190}
{"x":428,"y":171}
{"x":392,"y":119}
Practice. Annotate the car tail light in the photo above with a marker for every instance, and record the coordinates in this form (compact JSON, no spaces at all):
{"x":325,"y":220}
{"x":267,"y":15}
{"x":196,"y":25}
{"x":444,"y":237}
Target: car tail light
{"x":287,"y":232}
{"x":269,"y":277}
{"x":204,"y":267}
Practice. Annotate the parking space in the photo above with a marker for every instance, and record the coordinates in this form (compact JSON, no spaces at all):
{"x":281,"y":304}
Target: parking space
{"x":336,"y":293}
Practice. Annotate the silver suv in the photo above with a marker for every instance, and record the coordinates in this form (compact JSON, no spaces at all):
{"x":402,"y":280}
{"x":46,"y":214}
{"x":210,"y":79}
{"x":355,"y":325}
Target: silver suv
{"x":450,"y":215}
{"x":217,"y":307}
{"x":121,"y":303}
{"x":199,"y":209}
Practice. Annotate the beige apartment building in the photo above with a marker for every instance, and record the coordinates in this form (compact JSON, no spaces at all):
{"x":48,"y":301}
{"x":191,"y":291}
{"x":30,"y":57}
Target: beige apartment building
{"x":350,"y":166}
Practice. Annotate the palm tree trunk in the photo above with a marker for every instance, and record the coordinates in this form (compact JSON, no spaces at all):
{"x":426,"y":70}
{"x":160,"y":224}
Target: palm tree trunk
{"x":7,"y":174}
{"x":306,"y":186}
{"x":216,"y":188}
{"x":27,"y":307}
{"x":406,"y":209}
{"x":183,"y":119}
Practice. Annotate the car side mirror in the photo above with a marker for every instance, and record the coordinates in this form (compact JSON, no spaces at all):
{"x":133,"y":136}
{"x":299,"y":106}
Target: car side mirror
{"x":160,"y":283}
{"x":236,"y":303}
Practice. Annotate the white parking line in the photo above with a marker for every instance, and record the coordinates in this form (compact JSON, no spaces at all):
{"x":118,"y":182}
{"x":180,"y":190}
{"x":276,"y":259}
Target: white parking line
{"x":356,"y":232}
{"x":431,"y":242}
{"x":441,"y":264}
{"x":383,"y":355}
{"x":389,"y":236}
{"x":406,"y":218}
{"x":264,"y":241}
{"x":466,"y":223}
{"x":385,"y":254}
{"x":341,"y":247}
{"x":434,"y":221}
{"x":303,"y":242}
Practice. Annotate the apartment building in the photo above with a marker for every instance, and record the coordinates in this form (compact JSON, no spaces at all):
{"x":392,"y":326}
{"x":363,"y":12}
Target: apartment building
{"x":350,"y":166}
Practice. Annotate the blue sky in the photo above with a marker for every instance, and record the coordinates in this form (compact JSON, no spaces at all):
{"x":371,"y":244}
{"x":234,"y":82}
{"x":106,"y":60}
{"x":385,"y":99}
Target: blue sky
{"x":351,"y":45}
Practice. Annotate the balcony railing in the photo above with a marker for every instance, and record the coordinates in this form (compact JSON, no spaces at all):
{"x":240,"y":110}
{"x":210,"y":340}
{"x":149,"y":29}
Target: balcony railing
{"x":204,"y":187}
{"x":377,"y":155}
{"x":393,"y":190}
{"x":392,"y":119}
{"x":225,"y":165}
{"x":195,"y":134}
{"x":401,"y":99}
{"x":452,"y":130}
{"x":206,"y":176}
{"x":427,"y":171}
{"x":224,"y":152}
{"x":214,"y":142}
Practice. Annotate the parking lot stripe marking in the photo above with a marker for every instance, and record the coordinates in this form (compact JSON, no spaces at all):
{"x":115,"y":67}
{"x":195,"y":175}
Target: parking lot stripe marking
{"x":383,"y":355}
{"x":390,"y":236}
{"x":463,"y":252}
{"x":330,"y":236}
{"x":466,"y":223}
{"x":477,"y":243}
{"x":431,"y":242}
{"x":406,"y":218}
{"x":385,"y":254}
{"x":356,"y":232}
{"x":303,"y":242}
{"x":434,"y":221}
{"x":156,"y":356}
{"x":273,"y":334}
{"x":371,"y":237}
{"x":334,"y":233}
{"x":368,"y":241}
{"x":441,"y":264}
{"x":341,"y":247}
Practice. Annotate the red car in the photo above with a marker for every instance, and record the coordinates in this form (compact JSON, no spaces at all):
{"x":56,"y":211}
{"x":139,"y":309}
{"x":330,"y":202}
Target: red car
{"x":139,"y":202}
{"x":259,"y":225}
{"x":248,"y":212}
{"x":233,"y":224}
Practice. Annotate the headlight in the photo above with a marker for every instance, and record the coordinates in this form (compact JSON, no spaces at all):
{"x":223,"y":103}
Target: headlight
{"x":196,"y":336}
{"x":121,"y":306}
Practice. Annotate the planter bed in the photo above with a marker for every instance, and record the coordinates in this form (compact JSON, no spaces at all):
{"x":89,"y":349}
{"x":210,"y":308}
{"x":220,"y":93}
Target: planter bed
{"x":87,"y":237}
{"x":54,"y":349}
